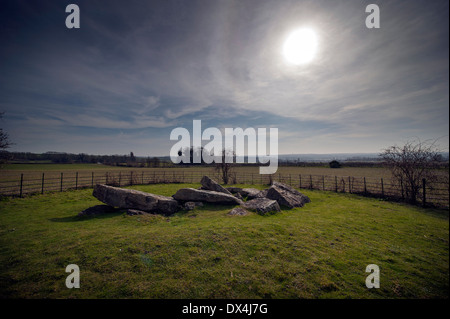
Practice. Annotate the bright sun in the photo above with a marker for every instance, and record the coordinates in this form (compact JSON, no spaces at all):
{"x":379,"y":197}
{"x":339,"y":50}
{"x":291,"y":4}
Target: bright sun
{"x":300,"y":46}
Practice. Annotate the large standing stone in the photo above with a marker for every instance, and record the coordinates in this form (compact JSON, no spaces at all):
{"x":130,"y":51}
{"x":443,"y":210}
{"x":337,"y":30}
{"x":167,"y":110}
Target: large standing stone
{"x":209,"y":184}
{"x":262,"y":205}
{"x":287,"y":196}
{"x":133,"y":199}
{"x":199,"y":195}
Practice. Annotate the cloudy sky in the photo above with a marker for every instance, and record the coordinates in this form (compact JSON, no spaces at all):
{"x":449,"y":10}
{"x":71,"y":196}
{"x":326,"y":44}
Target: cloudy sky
{"x":135,"y":70}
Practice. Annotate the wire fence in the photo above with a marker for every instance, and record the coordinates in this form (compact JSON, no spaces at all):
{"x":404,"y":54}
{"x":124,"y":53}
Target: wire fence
{"x":430,"y":194}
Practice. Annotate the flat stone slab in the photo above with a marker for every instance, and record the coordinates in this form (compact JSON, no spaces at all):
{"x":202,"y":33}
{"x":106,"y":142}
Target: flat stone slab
{"x":262,"y":205}
{"x":206,"y":196}
{"x":133,"y":199}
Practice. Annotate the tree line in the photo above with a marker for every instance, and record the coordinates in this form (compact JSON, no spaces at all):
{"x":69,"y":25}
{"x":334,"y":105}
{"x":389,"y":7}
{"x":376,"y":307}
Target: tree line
{"x":129,"y":160}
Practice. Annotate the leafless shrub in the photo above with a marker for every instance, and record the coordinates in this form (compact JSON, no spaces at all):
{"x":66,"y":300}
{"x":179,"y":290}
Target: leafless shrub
{"x":410,"y":164}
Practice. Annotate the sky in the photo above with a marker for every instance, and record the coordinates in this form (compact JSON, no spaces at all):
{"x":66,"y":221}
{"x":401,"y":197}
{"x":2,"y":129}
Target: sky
{"x":135,"y":70}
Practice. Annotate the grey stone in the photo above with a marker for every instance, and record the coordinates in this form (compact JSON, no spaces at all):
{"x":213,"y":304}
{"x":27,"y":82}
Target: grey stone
{"x":209,"y":184}
{"x":238,"y":195}
{"x":233,"y":190}
{"x":262,"y":205}
{"x":189,"y":206}
{"x":191,"y":194}
{"x":133,"y":199}
{"x":238,"y":211}
{"x":262,"y":194}
{"x":133,"y":212}
{"x":287,"y":196}
{"x":250,"y":193}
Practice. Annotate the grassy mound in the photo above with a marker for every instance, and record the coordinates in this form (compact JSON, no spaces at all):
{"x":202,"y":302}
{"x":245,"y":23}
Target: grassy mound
{"x":318,"y":251}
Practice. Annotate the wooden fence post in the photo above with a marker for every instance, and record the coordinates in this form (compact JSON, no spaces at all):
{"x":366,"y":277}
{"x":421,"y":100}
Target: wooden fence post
{"x":349,"y":185}
{"x":424,"y":196}
{"x":61,"y":187}
{"x":323,"y":182}
{"x":92,"y":179}
{"x":21,"y":185}
{"x":42,"y":186}
{"x":120,"y":177}
{"x":336,"y":183}
{"x":76,"y":180}
{"x":401,"y":186}
{"x":310,"y":182}
{"x":365,"y":186}
{"x":300,"y":180}
{"x":382,"y":188}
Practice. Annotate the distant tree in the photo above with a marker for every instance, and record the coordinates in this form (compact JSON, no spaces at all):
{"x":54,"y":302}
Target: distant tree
{"x":4,"y":144}
{"x":82,"y":158}
{"x":335,"y":164}
{"x":411,"y":163}
{"x":132,"y":158}
{"x":193,"y":152}
{"x":153,"y":162}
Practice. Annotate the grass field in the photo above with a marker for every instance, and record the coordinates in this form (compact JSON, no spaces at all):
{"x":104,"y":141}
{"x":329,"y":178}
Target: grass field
{"x":318,"y":251}
{"x":15,"y":169}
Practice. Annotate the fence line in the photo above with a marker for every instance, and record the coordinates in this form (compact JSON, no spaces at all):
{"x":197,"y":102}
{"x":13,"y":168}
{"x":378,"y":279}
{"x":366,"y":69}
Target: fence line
{"x":435,"y":194}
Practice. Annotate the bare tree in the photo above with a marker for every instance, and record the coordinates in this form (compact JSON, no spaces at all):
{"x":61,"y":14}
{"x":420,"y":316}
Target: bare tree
{"x":4,"y":144}
{"x":226,"y":169}
{"x":411,"y":163}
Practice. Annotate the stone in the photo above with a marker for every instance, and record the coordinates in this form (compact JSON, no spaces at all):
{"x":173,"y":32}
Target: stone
{"x":262,"y":194}
{"x":189,"y":206}
{"x":287,"y":196}
{"x":209,"y":184}
{"x":191,"y":194}
{"x":133,"y":212}
{"x":238,"y":211}
{"x":97,"y":210}
{"x":250,"y":193}
{"x":238,"y":195}
{"x":133,"y":199}
{"x":233,"y":190}
{"x":262,"y":205}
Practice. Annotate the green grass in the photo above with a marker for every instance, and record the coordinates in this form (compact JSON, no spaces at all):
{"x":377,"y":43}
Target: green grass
{"x":318,"y":251}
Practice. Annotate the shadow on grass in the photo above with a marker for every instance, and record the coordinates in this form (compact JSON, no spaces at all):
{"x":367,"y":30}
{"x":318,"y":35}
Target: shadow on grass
{"x":73,"y":219}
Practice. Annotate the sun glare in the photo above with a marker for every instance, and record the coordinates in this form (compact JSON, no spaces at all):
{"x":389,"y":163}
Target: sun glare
{"x":300,"y":46}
